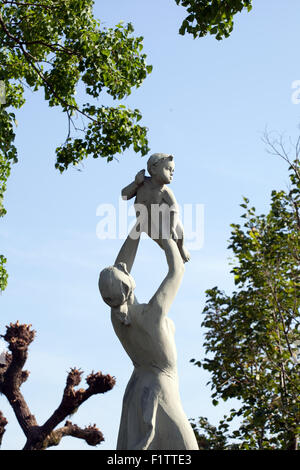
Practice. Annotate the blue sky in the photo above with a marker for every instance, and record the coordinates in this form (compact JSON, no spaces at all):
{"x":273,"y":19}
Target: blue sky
{"x":206,"y":102}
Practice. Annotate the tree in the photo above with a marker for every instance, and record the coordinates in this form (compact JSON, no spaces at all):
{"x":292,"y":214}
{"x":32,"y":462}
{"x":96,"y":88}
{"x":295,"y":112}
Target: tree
{"x":208,"y":436}
{"x":211,"y":16}
{"x":252,"y":337}
{"x":54,"y":45}
{"x":3,"y":273}
{"x":12,"y":376}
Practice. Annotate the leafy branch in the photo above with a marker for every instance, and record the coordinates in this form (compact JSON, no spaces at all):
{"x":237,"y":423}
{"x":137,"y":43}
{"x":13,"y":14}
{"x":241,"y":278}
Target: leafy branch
{"x":213,"y":17}
{"x":56,"y":46}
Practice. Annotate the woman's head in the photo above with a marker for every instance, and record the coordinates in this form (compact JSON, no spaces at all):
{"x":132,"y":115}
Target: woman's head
{"x":116,"y":285}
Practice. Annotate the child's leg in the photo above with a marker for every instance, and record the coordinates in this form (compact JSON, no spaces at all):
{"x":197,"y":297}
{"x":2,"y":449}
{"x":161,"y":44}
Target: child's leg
{"x":180,"y":242}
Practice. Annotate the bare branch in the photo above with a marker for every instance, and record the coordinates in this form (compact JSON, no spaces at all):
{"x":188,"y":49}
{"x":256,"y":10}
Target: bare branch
{"x":72,"y":399}
{"x":91,"y":434}
{"x":277,"y":148}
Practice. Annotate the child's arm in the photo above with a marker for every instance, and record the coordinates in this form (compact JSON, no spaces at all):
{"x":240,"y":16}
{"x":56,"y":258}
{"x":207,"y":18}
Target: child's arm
{"x":173,"y":224}
{"x":130,"y":191}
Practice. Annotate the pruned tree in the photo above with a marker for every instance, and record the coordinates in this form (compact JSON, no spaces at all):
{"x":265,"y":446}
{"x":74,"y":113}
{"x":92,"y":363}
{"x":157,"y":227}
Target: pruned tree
{"x":56,"y":45}
{"x":252,"y":337}
{"x":13,"y":375}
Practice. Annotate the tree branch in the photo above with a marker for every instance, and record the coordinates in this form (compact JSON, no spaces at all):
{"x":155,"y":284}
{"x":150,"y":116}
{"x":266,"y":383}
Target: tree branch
{"x":53,"y":47}
{"x":3,"y":423}
{"x":31,"y":59}
{"x":90,"y":434}
{"x":19,"y":338}
{"x":72,"y":399}
{"x":12,"y":376}
{"x":277,"y":148}
{"x":43,"y":5}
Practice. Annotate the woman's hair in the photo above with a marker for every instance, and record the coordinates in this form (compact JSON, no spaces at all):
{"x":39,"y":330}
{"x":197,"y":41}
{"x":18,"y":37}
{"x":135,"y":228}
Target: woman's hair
{"x":115,"y":284}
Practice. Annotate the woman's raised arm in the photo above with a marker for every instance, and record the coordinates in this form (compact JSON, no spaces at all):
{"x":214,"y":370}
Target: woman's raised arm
{"x":166,"y":293}
{"x":128,"y":250}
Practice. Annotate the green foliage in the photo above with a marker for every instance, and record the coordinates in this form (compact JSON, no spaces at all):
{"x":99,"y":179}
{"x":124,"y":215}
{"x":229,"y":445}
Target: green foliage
{"x":57,"y":45}
{"x":112,"y":130}
{"x":210,"y":437}
{"x":3,"y":273}
{"x":211,"y":16}
{"x":252,"y":337}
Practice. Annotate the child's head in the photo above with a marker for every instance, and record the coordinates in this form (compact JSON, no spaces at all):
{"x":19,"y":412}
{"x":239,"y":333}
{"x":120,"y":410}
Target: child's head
{"x":162,"y":165}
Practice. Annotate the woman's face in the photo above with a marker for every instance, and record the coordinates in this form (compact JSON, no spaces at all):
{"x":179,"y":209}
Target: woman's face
{"x":114,"y":300}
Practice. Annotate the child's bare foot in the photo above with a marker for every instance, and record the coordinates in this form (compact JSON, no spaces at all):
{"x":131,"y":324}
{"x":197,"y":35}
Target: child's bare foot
{"x":185,"y":254}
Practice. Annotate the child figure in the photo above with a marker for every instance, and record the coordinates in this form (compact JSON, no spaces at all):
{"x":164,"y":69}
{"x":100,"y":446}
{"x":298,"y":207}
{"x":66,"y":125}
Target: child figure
{"x":155,"y":204}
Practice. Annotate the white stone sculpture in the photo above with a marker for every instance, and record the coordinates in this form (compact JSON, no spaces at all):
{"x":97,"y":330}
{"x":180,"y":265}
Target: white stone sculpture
{"x":155,"y":203}
{"x":152,"y":415}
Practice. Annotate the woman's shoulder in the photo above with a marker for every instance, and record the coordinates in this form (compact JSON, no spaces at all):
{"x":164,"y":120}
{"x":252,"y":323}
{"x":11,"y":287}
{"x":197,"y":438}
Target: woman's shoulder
{"x":135,"y":310}
{"x":142,"y":314}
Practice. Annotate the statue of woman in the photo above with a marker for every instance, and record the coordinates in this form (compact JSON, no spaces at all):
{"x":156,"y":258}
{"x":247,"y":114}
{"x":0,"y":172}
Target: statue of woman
{"x":152,"y":415}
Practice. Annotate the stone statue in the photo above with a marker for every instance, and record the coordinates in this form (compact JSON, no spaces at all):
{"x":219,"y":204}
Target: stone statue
{"x":154,"y":199}
{"x":152,"y":415}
